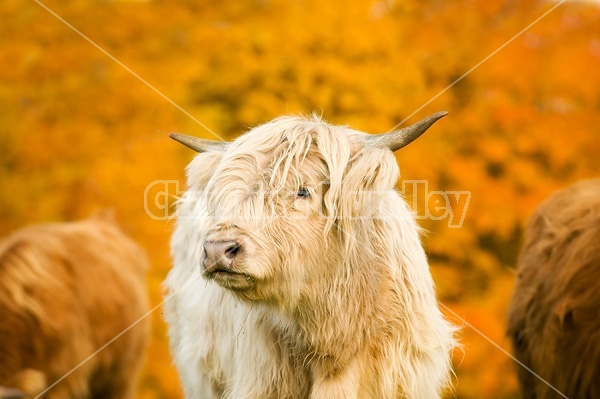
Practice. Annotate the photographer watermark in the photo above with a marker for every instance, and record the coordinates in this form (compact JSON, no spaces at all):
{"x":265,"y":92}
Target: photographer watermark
{"x":160,"y":197}
{"x":436,"y":204}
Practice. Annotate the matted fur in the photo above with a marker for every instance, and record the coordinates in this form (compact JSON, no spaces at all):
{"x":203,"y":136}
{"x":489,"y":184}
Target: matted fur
{"x":554,"y":313}
{"x":340,"y":302}
{"x":65,"y":290}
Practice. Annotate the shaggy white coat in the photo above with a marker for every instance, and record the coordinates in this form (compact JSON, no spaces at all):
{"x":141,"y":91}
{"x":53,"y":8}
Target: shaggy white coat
{"x":340,"y":302}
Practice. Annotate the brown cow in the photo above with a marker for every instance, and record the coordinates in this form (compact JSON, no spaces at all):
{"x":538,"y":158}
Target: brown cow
{"x":554,"y":314}
{"x":65,"y":291}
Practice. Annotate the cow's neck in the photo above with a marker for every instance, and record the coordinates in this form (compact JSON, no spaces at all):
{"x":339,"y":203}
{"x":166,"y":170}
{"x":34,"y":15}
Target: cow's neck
{"x":334,"y":320}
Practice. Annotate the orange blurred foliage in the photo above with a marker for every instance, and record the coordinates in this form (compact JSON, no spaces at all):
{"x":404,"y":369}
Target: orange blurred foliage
{"x":79,"y":132}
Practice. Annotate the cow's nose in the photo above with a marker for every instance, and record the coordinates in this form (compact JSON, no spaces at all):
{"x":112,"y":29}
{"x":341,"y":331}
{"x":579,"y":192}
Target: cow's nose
{"x":220,"y":253}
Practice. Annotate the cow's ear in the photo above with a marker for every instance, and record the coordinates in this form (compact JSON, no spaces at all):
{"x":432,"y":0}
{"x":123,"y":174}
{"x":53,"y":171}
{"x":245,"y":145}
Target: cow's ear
{"x":371,"y":169}
{"x":370,"y":174}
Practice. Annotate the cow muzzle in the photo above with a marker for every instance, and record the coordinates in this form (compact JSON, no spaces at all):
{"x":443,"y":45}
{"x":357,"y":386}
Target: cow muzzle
{"x":219,"y":255}
{"x":221,"y":263}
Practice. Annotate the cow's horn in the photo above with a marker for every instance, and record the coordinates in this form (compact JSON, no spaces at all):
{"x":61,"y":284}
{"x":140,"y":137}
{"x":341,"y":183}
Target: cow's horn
{"x":403,"y":137}
{"x":198,"y":144}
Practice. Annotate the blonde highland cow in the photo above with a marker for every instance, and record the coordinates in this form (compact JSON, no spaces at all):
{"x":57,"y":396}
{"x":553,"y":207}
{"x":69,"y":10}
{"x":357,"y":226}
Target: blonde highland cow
{"x":298,"y":270}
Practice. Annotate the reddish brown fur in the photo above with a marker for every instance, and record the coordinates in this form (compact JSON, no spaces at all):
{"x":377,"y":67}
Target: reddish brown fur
{"x":554,"y":314}
{"x":66,"y":290}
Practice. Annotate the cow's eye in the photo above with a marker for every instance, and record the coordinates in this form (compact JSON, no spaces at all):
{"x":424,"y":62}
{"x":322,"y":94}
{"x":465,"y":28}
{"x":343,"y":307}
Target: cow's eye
{"x":303,"y":193}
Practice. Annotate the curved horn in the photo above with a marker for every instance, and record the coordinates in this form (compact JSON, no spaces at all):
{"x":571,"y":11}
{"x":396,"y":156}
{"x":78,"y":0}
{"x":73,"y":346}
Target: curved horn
{"x":198,"y":144}
{"x":403,"y":137}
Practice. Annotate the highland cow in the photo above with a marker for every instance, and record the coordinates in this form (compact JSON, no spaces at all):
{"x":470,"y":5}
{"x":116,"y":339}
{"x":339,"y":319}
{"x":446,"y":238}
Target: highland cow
{"x":554,"y":313}
{"x":315,"y":281}
{"x":65,"y":291}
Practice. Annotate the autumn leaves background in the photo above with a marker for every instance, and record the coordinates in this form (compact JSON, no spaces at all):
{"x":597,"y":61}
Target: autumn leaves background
{"x":79,"y":132}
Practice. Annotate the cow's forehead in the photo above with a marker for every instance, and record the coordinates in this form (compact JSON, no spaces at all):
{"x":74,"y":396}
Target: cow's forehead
{"x":289,"y":138}
{"x":283,"y":152}
{"x":292,"y":129}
